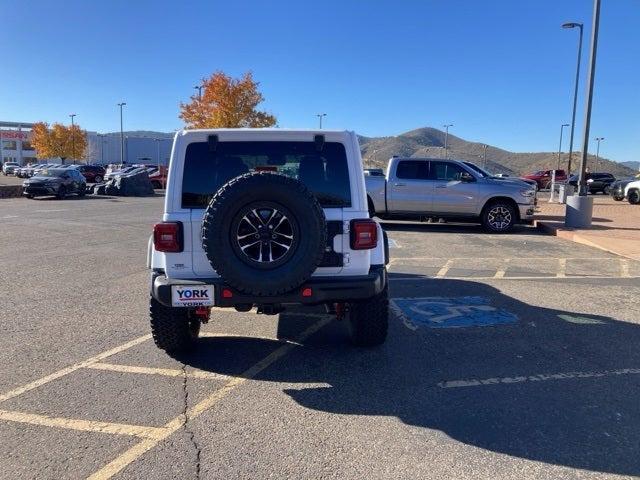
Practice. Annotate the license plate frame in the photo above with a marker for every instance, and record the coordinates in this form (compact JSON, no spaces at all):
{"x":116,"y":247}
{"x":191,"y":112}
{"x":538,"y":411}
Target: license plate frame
{"x":193,"y":295}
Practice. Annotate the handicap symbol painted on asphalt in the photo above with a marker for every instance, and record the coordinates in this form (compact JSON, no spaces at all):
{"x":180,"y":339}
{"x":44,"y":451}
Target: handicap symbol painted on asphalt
{"x":441,"y":312}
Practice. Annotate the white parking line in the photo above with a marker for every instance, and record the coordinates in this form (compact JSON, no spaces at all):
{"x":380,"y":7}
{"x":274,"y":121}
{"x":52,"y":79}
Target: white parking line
{"x":541,"y":377}
{"x":445,"y":268}
{"x":502,"y":269}
{"x":624,"y":268}
{"x":562,"y":268}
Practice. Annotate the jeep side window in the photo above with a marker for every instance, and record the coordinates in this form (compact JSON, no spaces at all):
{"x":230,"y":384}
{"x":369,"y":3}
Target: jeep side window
{"x":324,"y":172}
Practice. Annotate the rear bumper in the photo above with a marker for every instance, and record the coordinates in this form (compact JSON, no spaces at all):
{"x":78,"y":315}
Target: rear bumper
{"x":323,"y":290}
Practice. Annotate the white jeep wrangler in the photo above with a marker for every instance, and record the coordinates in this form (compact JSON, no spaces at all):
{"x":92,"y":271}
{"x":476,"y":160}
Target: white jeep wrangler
{"x":266,"y":218}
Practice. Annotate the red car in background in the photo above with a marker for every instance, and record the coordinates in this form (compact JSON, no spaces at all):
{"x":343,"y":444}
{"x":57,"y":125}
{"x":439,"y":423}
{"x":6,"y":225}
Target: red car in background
{"x":92,"y":173}
{"x":543,"y":177}
{"x":159,"y":177}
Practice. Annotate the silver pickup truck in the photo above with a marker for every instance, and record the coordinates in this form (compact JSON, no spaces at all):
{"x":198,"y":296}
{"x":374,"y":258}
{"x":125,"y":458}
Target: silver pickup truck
{"x":449,"y":189}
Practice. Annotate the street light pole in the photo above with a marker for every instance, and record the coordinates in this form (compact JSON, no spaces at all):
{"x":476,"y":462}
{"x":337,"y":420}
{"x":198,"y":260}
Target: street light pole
{"x":575,"y":90}
{"x":446,"y":139}
{"x":560,"y":146}
{"x":579,"y":213}
{"x":484,"y":156}
{"x":121,"y":135}
{"x":598,"y":139}
{"x":320,"y":115}
{"x":73,"y":138}
{"x":590,"y":82}
{"x":199,"y":88}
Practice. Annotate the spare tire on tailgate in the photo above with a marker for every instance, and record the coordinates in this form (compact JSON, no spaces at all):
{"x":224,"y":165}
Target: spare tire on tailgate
{"x":264,"y":233}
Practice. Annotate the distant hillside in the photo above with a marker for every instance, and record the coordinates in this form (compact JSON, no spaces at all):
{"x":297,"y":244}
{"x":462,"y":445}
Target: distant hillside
{"x":633,"y":165}
{"x":429,"y":142}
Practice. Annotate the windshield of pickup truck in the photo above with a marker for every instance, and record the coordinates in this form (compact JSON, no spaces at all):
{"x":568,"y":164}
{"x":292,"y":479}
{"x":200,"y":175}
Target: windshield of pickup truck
{"x":324,"y":172}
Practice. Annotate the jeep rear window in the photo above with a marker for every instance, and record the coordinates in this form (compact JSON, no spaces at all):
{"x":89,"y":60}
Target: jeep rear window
{"x":324,"y":172}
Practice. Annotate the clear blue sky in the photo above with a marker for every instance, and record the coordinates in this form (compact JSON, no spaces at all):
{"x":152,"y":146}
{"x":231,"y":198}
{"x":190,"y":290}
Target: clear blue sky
{"x":500,"y":70}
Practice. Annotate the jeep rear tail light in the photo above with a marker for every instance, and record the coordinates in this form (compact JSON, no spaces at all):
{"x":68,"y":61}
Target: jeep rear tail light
{"x":167,"y":237}
{"x":364,"y":234}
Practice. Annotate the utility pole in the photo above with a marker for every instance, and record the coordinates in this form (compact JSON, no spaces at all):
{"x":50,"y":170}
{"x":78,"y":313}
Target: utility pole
{"x":121,"y":135}
{"x":484,"y":156}
{"x":446,"y":139}
{"x":575,"y":89}
{"x":320,"y":115}
{"x":73,"y":138}
{"x":598,"y":139}
{"x":560,"y":146}
{"x":158,"y":145}
{"x":579,"y":211}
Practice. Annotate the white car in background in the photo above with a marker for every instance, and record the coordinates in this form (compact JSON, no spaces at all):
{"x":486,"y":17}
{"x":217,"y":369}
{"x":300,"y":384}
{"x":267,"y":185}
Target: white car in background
{"x":9,"y":168}
{"x":632,"y":192}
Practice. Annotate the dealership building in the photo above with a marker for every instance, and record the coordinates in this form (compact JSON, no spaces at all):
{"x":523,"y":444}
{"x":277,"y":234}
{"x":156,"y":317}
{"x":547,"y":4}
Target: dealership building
{"x":138,"y":147}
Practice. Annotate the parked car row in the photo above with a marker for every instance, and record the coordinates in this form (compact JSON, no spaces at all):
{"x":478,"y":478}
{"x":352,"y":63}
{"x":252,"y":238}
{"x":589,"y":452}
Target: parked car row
{"x":157,"y":174}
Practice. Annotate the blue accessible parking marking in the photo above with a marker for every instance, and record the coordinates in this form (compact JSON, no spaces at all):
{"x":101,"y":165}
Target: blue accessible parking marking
{"x":441,"y":312}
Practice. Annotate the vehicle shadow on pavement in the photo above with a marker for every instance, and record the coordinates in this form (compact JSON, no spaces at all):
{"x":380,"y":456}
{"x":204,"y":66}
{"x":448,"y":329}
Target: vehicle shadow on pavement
{"x":554,"y":387}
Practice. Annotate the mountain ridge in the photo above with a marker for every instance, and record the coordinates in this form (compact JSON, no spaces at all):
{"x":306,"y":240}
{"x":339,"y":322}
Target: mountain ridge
{"x":429,"y":142}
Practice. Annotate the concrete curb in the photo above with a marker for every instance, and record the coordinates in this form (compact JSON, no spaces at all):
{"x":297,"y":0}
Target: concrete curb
{"x":568,"y":234}
{"x":10,"y":191}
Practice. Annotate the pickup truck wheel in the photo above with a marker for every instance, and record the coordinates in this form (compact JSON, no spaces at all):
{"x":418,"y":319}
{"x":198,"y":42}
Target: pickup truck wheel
{"x":264,"y":233}
{"x":369,"y":320}
{"x":634,"y":197}
{"x":173,"y":329}
{"x":499,"y":217}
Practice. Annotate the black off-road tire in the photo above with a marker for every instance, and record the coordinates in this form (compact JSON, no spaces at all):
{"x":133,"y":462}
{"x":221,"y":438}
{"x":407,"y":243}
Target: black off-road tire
{"x":173,"y":329}
{"x":498,"y":206}
{"x":634,"y":196}
{"x":369,"y":320}
{"x":284,"y":193}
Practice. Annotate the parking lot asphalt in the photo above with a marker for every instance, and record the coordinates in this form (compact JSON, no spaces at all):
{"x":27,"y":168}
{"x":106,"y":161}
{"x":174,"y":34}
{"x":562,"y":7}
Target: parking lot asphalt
{"x":509,"y":356}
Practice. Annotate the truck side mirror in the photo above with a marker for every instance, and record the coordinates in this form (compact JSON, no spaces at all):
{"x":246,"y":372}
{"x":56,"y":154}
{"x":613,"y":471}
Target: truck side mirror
{"x":466,"y":177}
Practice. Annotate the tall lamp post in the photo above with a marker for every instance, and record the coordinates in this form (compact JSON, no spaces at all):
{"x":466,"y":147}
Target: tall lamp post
{"x":199,"y":88}
{"x":575,"y":90}
{"x":560,"y":146}
{"x":320,"y":115}
{"x":73,"y":137}
{"x":598,"y":139}
{"x":580,"y":207}
{"x":446,"y":139}
{"x":121,"y":134}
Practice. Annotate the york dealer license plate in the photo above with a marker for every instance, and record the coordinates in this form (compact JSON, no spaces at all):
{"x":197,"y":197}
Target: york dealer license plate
{"x":192,"y":295}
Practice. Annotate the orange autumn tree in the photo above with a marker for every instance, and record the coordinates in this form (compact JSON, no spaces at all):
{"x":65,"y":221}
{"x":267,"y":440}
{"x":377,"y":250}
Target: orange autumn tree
{"x":59,"y":140}
{"x":226,"y":102}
